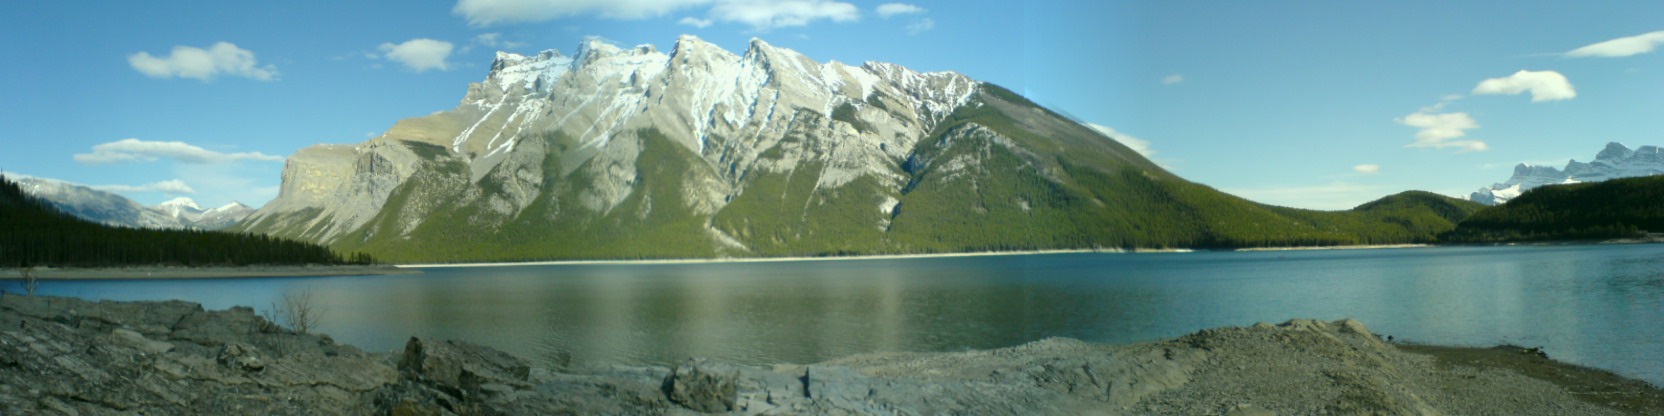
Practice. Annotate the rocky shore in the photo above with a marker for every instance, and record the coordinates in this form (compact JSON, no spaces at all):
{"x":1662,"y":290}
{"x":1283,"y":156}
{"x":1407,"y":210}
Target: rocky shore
{"x":206,"y":272}
{"x":68,"y":356}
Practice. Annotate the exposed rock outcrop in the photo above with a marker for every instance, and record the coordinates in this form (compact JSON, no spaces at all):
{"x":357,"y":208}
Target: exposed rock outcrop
{"x":69,"y":356}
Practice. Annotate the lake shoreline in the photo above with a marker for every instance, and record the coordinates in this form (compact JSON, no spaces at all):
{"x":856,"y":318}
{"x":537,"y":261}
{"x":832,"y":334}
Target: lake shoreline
{"x":211,"y":272}
{"x":68,"y":355}
{"x":896,"y":256}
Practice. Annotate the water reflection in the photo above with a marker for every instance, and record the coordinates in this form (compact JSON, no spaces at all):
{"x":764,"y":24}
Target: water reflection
{"x":1587,"y":304}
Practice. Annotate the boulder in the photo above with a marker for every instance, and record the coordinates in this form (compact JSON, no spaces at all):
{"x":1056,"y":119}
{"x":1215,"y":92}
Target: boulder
{"x":703,"y":386}
{"x":462,"y":369}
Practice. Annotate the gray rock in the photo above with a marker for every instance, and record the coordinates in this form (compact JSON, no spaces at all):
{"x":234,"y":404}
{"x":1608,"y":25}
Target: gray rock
{"x":702,"y":385}
{"x":240,"y":356}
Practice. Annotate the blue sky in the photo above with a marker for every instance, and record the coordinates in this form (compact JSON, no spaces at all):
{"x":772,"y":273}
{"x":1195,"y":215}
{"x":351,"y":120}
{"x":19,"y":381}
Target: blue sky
{"x":1314,"y":104}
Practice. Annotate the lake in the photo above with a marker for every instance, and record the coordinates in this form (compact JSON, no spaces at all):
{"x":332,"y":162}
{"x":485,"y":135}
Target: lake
{"x":1601,"y":306}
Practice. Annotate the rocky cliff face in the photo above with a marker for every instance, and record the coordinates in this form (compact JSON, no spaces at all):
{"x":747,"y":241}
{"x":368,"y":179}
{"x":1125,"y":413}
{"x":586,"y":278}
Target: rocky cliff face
{"x":573,"y":131}
{"x":1615,"y":161}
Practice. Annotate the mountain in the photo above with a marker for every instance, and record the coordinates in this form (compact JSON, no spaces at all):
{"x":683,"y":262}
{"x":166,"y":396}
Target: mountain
{"x":1615,"y":161}
{"x":190,"y":215}
{"x":1616,"y":208}
{"x":35,"y":232}
{"x":699,"y":152}
{"x":95,"y":205}
{"x":112,"y":209}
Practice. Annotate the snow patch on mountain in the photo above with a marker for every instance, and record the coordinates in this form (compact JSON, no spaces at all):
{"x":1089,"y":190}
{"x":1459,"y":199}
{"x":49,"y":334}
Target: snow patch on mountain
{"x":1615,"y":161}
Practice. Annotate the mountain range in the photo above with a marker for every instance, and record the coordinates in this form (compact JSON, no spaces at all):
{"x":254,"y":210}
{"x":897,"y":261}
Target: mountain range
{"x":111,"y":209}
{"x":615,"y":152}
{"x":1615,"y":161}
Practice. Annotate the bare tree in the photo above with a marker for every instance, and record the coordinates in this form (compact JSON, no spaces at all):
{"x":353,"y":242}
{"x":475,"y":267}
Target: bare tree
{"x":30,"y":282}
{"x":299,"y":311}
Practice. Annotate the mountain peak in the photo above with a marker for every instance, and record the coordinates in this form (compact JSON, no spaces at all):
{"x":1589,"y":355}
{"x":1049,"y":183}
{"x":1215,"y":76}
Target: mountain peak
{"x":1614,"y":151}
{"x":181,"y":202}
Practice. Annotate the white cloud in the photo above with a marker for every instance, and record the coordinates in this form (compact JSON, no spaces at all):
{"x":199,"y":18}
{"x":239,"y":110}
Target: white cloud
{"x":1437,"y":130}
{"x":135,"y":150}
{"x":888,"y":10}
{"x":1367,"y":168}
{"x":222,"y":58}
{"x":920,"y":26}
{"x":765,"y":15}
{"x":1543,"y":85}
{"x":1136,"y":144}
{"x":1333,"y":196}
{"x":1172,"y":79}
{"x":174,"y":186}
{"x":1621,"y":47}
{"x":420,"y":54}
{"x":695,"y":22}
{"x":489,"y":12}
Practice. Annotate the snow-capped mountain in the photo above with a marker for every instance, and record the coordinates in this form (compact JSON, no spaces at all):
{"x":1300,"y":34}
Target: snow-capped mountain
{"x":700,"y":152}
{"x":1615,"y":161}
{"x":109,"y":208}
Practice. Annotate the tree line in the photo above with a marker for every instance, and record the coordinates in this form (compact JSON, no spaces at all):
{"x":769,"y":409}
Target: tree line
{"x":33,"y":233}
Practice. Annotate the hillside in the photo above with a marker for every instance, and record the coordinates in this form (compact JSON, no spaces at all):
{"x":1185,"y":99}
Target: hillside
{"x":1617,"y":208}
{"x":634,"y":153}
{"x":33,"y":232}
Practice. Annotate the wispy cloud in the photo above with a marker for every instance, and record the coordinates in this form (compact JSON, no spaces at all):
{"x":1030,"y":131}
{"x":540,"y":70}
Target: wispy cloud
{"x":1172,"y":79}
{"x":888,"y":10}
{"x":1621,"y":47}
{"x":1367,"y":168}
{"x":223,"y":58}
{"x":174,"y":186}
{"x":135,"y":150}
{"x":1439,"y":130}
{"x":761,"y":15}
{"x":1136,"y":144}
{"x":1543,"y":85}
{"x":920,"y":26}
{"x":495,"y":40}
{"x":766,"y":15}
{"x":490,"y":12}
{"x":695,"y":22}
{"x":420,"y":54}
{"x":1332,"y":196}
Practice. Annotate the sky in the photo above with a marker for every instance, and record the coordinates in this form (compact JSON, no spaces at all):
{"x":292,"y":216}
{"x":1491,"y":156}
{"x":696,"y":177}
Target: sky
{"x":1311,"y":104}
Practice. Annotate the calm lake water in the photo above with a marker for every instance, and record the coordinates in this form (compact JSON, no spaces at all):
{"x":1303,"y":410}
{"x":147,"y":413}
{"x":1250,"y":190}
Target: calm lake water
{"x":1601,"y":306}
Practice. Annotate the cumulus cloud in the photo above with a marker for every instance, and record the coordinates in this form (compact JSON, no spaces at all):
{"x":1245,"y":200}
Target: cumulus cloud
{"x":695,"y":22}
{"x":888,"y":10}
{"x":490,"y":12}
{"x":174,"y":186}
{"x":1136,"y":144}
{"x":135,"y":150}
{"x":1543,"y":85}
{"x":765,"y":15}
{"x":1172,"y":79}
{"x":1367,"y":168}
{"x":223,"y":58}
{"x":1621,"y":47}
{"x":420,"y":54}
{"x":1439,"y":130}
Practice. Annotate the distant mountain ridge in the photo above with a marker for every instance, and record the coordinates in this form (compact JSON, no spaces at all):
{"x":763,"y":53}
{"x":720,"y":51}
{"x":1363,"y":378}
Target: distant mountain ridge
{"x":619,"y":152}
{"x":1615,"y":161}
{"x":111,"y":209}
